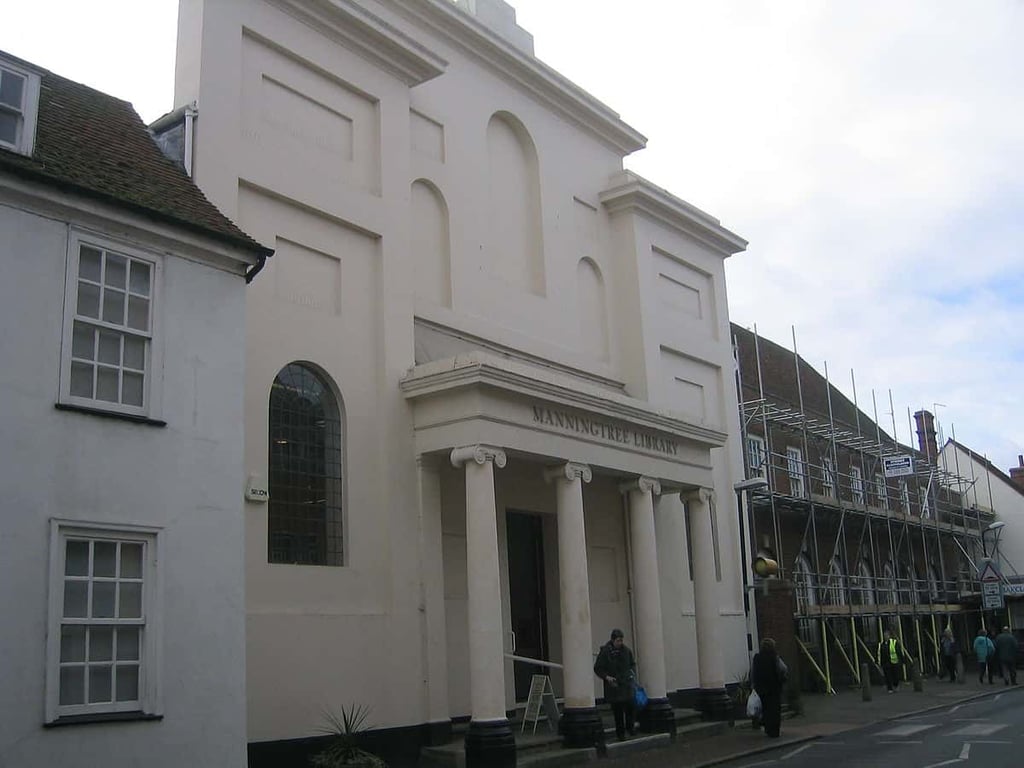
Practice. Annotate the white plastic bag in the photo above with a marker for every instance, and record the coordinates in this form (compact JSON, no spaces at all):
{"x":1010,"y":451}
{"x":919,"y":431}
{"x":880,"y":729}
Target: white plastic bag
{"x":754,"y":705}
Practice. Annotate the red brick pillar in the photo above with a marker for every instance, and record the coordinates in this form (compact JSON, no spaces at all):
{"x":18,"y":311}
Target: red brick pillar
{"x":775,"y":603}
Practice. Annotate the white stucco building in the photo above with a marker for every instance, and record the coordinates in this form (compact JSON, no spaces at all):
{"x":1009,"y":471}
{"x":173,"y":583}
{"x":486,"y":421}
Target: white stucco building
{"x":122,"y":304}
{"x":489,"y":383}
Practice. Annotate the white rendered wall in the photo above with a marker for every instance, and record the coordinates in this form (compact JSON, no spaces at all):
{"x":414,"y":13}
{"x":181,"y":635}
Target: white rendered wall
{"x":347,"y":171}
{"x":185,"y":478}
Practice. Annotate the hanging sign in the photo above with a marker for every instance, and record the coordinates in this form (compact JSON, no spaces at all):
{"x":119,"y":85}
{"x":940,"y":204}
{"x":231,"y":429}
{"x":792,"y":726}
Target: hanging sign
{"x":898,"y":466}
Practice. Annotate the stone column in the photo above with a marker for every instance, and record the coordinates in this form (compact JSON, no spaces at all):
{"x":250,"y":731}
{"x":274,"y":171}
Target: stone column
{"x":581,"y":724}
{"x":434,"y":648}
{"x":657,"y":716}
{"x":489,"y":740}
{"x":713,"y":699}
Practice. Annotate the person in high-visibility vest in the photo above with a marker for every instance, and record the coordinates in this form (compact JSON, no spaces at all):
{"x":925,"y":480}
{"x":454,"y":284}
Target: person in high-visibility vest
{"x":890,"y":657}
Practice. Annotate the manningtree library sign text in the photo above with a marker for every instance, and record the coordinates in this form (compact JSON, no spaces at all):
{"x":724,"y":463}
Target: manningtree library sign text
{"x":608,"y":431}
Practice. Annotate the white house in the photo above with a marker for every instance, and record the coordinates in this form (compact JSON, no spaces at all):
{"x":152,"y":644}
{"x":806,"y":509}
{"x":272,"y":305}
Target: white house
{"x":122,"y":304}
{"x":489,"y":382}
{"x":992,"y":491}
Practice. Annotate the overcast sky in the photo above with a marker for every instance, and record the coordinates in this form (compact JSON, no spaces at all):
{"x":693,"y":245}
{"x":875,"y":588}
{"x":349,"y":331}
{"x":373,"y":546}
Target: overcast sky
{"x":871,"y":151}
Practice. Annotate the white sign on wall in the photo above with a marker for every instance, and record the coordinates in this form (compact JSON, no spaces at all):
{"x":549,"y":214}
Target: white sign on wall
{"x":256,"y":489}
{"x":897,"y":466}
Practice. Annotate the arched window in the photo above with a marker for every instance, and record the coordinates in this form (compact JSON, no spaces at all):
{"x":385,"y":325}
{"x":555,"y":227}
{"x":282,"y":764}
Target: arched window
{"x":933,"y":584}
{"x":864,"y":588}
{"x":889,"y":591}
{"x":806,"y":596}
{"x":835,"y":592}
{"x":305,"y":457}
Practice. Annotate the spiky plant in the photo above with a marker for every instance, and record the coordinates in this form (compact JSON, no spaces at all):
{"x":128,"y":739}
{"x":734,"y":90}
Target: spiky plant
{"x":343,"y":750}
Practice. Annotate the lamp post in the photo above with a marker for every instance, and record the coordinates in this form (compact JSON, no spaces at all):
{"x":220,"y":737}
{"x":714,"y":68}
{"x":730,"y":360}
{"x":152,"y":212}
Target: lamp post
{"x":742,"y":488}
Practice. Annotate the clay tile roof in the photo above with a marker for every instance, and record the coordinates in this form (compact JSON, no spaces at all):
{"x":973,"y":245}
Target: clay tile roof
{"x":95,"y":145}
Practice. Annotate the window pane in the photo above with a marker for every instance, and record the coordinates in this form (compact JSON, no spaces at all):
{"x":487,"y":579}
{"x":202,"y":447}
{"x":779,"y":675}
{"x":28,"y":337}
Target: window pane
{"x":131,"y":390}
{"x":76,"y":599}
{"x":103,"y":599}
{"x":131,"y":600}
{"x":106,"y":384}
{"x":11,"y":88}
{"x":72,"y":685}
{"x":139,"y":282}
{"x":138,"y":313}
{"x":113,"y":306}
{"x":131,"y":561}
{"x":101,"y":644}
{"x":104,"y":559}
{"x":72,"y":643}
{"x":117,"y":271}
{"x":127,"y":682}
{"x":76,"y":559}
{"x":89,"y":262}
{"x":128,"y":644}
{"x":83,"y":342}
{"x":134,"y":351}
{"x":99,"y":683}
{"x":88,"y":299}
{"x":110,"y":348}
{"x":81,"y":380}
{"x":9,"y":127}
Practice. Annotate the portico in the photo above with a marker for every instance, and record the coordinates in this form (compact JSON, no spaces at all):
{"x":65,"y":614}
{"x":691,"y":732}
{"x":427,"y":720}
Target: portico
{"x":577,"y":454}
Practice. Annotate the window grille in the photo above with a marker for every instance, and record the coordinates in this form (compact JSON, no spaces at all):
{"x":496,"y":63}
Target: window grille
{"x":305,"y":473}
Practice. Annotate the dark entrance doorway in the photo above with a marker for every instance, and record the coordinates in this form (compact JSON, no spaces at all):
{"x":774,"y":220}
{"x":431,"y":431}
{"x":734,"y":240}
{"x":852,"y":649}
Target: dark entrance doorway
{"x":526,"y":595}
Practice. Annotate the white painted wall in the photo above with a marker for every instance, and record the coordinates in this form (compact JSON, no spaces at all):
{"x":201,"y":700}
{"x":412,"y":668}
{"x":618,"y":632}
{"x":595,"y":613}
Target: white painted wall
{"x":375,"y":193}
{"x":185,"y":478}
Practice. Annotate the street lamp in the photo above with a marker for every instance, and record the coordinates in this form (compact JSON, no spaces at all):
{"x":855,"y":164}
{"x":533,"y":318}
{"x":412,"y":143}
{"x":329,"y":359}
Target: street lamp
{"x":995,"y":527}
{"x":746,"y":486}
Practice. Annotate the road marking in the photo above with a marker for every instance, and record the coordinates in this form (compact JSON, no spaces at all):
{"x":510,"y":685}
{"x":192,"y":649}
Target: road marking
{"x":796,"y":751}
{"x":763,"y":762}
{"x":908,"y":730}
{"x":965,"y":704}
{"x":998,"y":697}
{"x":965,"y":752}
{"x":979,"y":729}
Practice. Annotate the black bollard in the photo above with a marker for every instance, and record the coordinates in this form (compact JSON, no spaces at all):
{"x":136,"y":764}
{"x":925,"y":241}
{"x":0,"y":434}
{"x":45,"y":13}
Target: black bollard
{"x":865,"y":682}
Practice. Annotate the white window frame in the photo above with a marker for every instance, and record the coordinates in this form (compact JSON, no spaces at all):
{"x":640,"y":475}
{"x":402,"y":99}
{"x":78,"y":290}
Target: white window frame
{"x":150,"y":677}
{"x":24,"y":143}
{"x":905,"y":497}
{"x":857,"y":485}
{"x":796,"y":470}
{"x":922,"y":498}
{"x":152,"y":390}
{"x":881,"y":490}
{"x":756,"y":450}
{"x":828,"y":477}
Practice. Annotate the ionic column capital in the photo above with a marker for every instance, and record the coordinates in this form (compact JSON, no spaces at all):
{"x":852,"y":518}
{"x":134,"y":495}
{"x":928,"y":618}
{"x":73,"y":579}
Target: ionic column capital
{"x":481,"y":454}
{"x":703,"y":496}
{"x":571,"y":470}
{"x":643,"y":484}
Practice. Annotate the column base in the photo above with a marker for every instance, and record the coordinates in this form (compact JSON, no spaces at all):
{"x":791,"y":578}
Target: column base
{"x":437,"y":732}
{"x":658,"y":717}
{"x":490,"y":743}
{"x":715,"y":704}
{"x":581,"y":727}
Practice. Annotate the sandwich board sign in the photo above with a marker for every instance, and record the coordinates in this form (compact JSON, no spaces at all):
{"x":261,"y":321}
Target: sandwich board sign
{"x":542,"y":696}
{"x":898,"y":466}
{"x":991,"y":586}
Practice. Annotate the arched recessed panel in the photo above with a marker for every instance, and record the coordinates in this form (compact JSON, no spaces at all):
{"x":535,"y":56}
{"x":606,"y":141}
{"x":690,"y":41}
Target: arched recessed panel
{"x":514,"y":237}
{"x":431,"y":244}
{"x":592,"y":308}
{"x":305,"y":469}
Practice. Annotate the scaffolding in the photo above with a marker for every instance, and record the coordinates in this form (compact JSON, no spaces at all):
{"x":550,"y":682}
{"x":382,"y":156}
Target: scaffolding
{"x":869,"y":553}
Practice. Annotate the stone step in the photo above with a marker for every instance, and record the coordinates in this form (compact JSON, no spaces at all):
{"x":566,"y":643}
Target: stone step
{"x":638,"y":744}
{"x":556,"y":758}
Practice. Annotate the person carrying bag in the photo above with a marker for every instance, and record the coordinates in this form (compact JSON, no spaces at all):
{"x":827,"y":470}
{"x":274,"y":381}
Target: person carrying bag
{"x":768,"y":675}
{"x":616,"y":667}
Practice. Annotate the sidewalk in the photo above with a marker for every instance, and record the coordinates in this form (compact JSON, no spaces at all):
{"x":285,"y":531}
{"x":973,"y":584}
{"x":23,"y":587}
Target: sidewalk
{"x":823,"y":716}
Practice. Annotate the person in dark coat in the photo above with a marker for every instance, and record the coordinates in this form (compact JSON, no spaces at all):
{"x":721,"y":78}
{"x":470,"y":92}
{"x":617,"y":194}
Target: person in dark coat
{"x":1006,"y":653}
{"x":949,"y":651}
{"x":767,"y":676}
{"x":616,"y":667}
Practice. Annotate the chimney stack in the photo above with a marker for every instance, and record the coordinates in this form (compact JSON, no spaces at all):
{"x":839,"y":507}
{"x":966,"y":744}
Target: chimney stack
{"x":926,"y":435}
{"x":1017,"y":473}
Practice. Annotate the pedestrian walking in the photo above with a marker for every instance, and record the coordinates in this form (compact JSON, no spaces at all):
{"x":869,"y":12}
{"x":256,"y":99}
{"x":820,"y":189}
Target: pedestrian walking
{"x":890,"y":658}
{"x":768,"y":673}
{"x":616,"y":667}
{"x":1006,"y":653}
{"x":984,"y":649}
{"x":949,"y":651}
